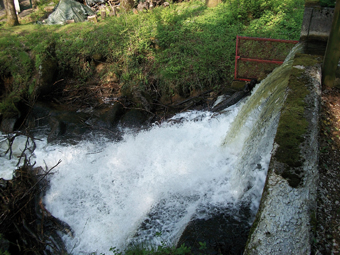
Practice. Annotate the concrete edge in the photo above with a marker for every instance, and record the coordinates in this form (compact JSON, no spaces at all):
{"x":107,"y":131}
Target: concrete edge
{"x":286,"y":214}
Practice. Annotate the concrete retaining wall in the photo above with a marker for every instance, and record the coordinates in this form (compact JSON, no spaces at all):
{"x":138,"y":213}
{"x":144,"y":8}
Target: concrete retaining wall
{"x":285,"y":217}
{"x":316,"y":23}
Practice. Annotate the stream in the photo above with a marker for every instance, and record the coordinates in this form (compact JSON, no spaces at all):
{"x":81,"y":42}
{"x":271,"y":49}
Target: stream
{"x":150,"y":185}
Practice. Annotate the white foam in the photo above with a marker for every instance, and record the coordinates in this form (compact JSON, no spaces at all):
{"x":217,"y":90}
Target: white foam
{"x":10,"y":159}
{"x":161,"y":178}
{"x":168,"y":174}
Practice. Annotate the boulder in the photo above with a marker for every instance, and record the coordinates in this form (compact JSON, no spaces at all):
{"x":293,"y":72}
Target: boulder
{"x":8,"y":124}
{"x":238,"y":85}
{"x":113,"y":115}
{"x":134,"y":118}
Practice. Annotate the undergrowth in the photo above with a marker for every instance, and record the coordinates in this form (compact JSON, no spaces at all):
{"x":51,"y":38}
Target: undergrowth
{"x":171,"y":50}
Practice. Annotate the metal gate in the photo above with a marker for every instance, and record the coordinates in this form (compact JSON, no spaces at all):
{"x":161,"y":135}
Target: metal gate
{"x":259,"y":56}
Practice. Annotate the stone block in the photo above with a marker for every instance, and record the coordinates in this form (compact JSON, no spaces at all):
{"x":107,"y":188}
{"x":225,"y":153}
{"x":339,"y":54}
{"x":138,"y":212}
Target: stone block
{"x":316,"y":24}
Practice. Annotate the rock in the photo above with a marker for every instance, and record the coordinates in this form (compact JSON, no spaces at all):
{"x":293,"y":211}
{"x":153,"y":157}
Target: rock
{"x":68,"y":124}
{"x":142,"y":99}
{"x":166,"y":4}
{"x":38,"y":116}
{"x":222,"y":233}
{"x":238,"y":85}
{"x":58,"y":128}
{"x":113,"y":115}
{"x":133,"y":119}
{"x":8,"y":124}
{"x":220,"y":99}
{"x":106,"y":118}
{"x":237,"y":96}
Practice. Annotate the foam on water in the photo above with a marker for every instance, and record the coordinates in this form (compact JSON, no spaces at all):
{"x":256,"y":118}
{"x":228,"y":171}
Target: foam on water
{"x":9,"y":159}
{"x":161,"y":177}
{"x":155,"y":181}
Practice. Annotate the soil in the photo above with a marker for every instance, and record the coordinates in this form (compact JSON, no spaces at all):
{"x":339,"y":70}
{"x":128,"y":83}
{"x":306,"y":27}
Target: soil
{"x":327,"y":225}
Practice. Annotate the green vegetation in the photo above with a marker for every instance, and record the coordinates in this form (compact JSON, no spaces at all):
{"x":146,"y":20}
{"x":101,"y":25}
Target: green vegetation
{"x":322,"y":3}
{"x":327,"y":3}
{"x":169,"y":50}
{"x":3,"y":246}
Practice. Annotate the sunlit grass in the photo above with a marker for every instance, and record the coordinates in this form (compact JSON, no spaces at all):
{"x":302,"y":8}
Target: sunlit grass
{"x":176,"y":50}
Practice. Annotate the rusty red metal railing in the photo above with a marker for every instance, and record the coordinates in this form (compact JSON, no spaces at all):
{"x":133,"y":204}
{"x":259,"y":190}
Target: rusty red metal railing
{"x":259,"y":56}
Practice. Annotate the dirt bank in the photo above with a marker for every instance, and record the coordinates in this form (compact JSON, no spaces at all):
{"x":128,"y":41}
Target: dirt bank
{"x":327,"y":229}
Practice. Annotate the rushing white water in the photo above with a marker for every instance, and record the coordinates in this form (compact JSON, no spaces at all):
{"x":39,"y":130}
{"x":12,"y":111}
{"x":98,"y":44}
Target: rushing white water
{"x":163,"y":177}
{"x":19,"y":143}
{"x":105,"y":190}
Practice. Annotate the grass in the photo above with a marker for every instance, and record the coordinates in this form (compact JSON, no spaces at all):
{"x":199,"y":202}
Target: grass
{"x":172,"y":50}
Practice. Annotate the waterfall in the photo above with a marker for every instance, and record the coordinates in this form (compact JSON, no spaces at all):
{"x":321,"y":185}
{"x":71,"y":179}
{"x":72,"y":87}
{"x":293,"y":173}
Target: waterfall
{"x":147,"y":187}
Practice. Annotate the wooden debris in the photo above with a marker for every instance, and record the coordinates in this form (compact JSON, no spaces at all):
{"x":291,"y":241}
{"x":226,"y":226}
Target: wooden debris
{"x":24,"y":221}
{"x":98,"y":6}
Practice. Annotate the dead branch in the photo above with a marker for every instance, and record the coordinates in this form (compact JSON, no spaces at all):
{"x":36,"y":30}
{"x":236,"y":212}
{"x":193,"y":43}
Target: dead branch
{"x":28,"y":191}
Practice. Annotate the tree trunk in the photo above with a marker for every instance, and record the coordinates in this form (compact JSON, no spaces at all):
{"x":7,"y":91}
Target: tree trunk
{"x":332,"y":54}
{"x":12,"y":18}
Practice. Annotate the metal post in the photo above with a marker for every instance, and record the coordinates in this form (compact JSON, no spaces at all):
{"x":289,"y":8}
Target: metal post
{"x":332,"y":54}
{"x":269,"y":61}
{"x":236,"y":57}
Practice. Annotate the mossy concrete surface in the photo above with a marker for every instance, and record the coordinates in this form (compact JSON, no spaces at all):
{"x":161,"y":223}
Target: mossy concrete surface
{"x":283,"y":222}
{"x":316,"y":24}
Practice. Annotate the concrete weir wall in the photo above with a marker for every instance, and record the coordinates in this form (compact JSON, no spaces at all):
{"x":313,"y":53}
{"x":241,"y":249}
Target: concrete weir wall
{"x":286,"y":216}
{"x":283,"y":222}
